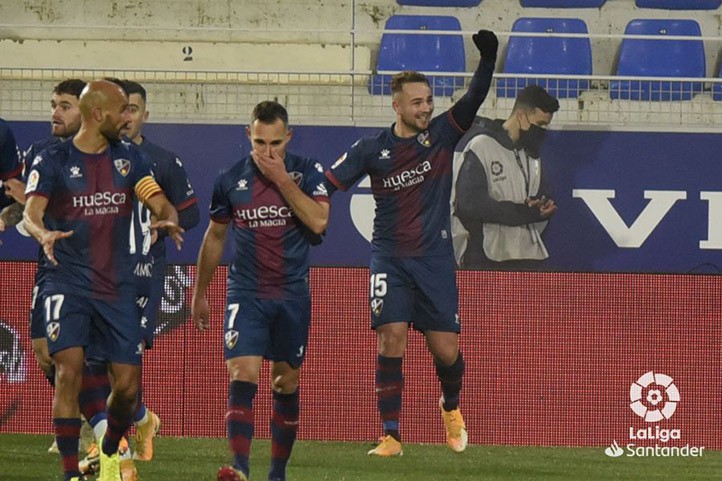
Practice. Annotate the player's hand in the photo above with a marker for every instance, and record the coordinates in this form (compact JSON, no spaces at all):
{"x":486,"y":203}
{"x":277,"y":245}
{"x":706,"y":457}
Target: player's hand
{"x":174,"y":231}
{"x":544,"y":204}
{"x":48,"y":240}
{"x":15,"y":189}
{"x":271,"y":166}
{"x":547,"y":209}
{"x":487,"y":43}
{"x":200,"y":312}
{"x":153,"y":233}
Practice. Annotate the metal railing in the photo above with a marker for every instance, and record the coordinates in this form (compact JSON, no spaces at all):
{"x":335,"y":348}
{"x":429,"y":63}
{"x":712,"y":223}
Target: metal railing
{"x":344,"y":98}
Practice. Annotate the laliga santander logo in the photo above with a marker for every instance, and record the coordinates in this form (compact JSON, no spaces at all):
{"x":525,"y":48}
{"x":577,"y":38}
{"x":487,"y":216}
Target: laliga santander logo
{"x":653,"y":397}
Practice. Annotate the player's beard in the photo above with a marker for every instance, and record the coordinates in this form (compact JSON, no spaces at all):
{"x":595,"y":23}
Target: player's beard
{"x":64,"y":129}
{"x":110,"y":131}
{"x":416,"y":124}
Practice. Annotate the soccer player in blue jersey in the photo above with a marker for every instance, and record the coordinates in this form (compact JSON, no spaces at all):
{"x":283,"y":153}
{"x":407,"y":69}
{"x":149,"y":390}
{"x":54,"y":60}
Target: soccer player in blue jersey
{"x":412,"y":263}
{"x":150,"y":265}
{"x":278,"y":206}
{"x":10,"y":169}
{"x":65,"y":123}
{"x":79,"y":207}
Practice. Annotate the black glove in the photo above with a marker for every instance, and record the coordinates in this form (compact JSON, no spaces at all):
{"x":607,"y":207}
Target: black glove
{"x":487,"y":43}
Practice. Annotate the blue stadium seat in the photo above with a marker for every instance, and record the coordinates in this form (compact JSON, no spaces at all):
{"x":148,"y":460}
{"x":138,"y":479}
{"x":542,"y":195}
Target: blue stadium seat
{"x":563,"y":3}
{"x":552,"y":55}
{"x":680,"y":4}
{"x":659,"y":58}
{"x":425,"y":53}
{"x":440,"y":3}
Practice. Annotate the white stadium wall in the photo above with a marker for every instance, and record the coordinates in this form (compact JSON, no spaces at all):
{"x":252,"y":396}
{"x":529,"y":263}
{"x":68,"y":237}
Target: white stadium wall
{"x":144,"y":36}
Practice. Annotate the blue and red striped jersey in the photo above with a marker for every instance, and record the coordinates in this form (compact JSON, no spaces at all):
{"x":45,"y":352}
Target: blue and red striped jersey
{"x":411,"y":184}
{"x":92,"y":195}
{"x":10,"y":162}
{"x":170,"y":175}
{"x":271,"y":245}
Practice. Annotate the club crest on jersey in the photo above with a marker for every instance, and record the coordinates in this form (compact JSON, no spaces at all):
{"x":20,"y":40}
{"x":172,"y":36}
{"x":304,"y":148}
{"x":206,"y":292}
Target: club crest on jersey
{"x":75,"y":172}
{"x":53,"y":331}
{"x":424,"y":139}
{"x":297,"y":177}
{"x":242,"y":184}
{"x":385,"y":154}
{"x":122,"y":166}
{"x":377,"y":305}
{"x":231,"y":339}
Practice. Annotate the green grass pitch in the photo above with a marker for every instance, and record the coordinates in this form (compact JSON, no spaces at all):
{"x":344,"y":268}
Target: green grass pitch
{"x":25,"y":458}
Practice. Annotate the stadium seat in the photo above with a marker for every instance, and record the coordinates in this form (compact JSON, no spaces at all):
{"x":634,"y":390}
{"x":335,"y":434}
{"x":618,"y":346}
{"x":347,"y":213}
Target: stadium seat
{"x":547,"y":55}
{"x":659,"y":58}
{"x":440,"y":3}
{"x":680,"y":4}
{"x":563,"y":3}
{"x":424,"y":53}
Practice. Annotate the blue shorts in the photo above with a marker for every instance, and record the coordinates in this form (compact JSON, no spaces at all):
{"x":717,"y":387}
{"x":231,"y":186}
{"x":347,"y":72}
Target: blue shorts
{"x":109,"y":331}
{"x":149,"y":295}
{"x":276,"y":329}
{"x":419,"y":290}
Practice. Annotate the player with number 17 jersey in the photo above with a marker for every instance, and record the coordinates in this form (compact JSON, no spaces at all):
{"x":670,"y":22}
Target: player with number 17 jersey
{"x":92,"y":195}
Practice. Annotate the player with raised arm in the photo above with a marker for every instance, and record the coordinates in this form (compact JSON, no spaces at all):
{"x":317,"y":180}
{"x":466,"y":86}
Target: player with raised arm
{"x":79,"y":206}
{"x":277,"y":205}
{"x":413,"y":280}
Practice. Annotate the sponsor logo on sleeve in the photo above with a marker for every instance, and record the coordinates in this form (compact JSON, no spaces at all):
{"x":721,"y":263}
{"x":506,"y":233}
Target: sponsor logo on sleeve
{"x":33,"y":180}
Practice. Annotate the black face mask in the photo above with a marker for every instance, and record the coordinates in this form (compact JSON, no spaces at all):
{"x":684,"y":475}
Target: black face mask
{"x":531,"y":140}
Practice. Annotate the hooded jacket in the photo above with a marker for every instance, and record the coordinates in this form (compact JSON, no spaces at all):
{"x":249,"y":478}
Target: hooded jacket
{"x":490,"y":219}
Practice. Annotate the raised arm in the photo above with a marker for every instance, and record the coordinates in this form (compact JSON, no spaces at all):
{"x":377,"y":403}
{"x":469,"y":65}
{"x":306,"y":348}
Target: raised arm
{"x":312,"y":213}
{"x":465,"y":109}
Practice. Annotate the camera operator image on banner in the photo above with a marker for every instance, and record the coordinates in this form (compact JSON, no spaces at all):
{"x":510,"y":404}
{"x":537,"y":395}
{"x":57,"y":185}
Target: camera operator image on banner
{"x":499,"y":204}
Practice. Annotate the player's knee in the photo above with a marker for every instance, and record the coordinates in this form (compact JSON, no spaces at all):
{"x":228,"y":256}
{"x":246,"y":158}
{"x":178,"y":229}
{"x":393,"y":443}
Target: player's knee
{"x":391,"y":343}
{"x":286,"y":382}
{"x":446,"y":355}
{"x":239,"y":372}
{"x":68,"y":378}
{"x":126,"y":394}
